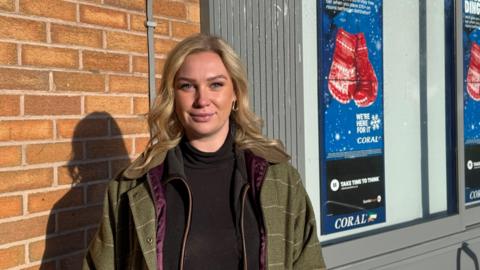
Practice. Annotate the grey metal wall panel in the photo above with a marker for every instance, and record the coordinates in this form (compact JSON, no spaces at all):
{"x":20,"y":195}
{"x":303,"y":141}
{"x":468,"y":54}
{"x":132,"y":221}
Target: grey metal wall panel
{"x":267,"y":36}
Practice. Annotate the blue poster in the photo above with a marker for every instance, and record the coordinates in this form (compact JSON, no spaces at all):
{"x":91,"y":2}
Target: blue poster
{"x":471,"y":98}
{"x":351,"y":118}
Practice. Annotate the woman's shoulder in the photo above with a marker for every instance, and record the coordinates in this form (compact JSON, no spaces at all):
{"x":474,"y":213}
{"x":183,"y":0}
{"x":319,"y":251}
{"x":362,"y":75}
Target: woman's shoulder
{"x":131,"y":176}
{"x":141,"y":166}
{"x":283,"y":168}
{"x":283,"y":173}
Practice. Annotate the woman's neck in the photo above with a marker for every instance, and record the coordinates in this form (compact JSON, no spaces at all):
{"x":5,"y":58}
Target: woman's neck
{"x":209,"y":144}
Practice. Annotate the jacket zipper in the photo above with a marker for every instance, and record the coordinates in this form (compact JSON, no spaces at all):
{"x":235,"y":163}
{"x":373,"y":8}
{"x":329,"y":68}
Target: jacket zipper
{"x":261,"y":216}
{"x":242,"y":227}
{"x":189,"y":221}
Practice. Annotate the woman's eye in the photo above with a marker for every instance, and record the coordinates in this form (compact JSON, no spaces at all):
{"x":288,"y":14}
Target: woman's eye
{"x":185,"y":86}
{"x":216,"y":85}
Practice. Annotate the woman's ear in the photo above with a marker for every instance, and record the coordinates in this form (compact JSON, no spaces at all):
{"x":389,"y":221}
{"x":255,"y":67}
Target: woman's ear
{"x":234,"y":105}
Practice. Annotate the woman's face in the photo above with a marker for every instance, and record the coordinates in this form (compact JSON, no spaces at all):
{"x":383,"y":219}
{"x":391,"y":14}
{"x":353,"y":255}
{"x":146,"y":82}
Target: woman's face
{"x":203,"y":97}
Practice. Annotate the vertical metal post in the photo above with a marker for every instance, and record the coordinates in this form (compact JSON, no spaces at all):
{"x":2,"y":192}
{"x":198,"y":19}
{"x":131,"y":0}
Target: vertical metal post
{"x":424,"y":107}
{"x":150,"y":25}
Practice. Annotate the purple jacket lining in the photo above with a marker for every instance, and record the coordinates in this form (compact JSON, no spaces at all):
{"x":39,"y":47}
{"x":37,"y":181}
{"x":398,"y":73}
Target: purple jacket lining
{"x":160,"y":207}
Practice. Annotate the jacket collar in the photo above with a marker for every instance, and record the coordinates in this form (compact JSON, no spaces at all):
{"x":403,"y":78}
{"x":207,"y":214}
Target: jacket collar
{"x":134,"y":172}
{"x":247,"y":161}
{"x":174,"y":164}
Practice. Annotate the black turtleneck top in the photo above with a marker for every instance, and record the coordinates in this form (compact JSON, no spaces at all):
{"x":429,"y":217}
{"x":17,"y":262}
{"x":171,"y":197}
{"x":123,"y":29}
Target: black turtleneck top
{"x":213,"y":241}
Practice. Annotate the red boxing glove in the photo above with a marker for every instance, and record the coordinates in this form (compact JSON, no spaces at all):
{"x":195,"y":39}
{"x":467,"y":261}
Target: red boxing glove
{"x":473,"y":75}
{"x":342,"y":81}
{"x":367,"y":85}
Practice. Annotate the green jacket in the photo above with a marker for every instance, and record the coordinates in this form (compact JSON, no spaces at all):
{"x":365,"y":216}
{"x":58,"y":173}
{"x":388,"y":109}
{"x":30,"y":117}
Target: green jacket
{"x":126,"y":238}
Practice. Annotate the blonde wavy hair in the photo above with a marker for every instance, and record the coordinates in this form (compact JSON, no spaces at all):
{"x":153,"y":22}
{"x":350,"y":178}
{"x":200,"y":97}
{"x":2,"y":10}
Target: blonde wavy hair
{"x":167,"y":130}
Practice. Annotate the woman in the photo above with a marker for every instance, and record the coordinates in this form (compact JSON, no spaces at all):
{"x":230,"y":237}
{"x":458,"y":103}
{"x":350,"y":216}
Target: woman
{"x":209,"y":192}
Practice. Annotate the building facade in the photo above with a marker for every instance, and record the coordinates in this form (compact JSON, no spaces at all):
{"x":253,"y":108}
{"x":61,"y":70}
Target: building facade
{"x":376,"y":101}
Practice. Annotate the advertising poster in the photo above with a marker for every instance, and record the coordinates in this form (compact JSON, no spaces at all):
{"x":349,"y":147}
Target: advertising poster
{"x":471,"y":97}
{"x":350,"y":48}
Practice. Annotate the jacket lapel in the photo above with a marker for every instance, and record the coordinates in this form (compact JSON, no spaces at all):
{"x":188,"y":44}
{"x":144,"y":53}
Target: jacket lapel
{"x":143,"y":212}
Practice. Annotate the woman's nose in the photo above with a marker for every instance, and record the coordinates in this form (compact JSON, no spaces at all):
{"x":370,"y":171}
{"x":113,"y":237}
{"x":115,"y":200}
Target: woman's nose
{"x":202,"y":98}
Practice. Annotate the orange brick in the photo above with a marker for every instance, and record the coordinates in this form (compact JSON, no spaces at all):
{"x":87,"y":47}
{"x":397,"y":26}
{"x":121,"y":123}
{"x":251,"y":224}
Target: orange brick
{"x":110,"y":104}
{"x":84,"y":128}
{"x":108,"y":148}
{"x":53,"y":152}
{"x":25,"y":130}
{"x":10,"y":156}
{"x":11,"y":206}
{"x":164,"y":45}
{"x":140,"y":105}
{"x":24,"y":180}
{"x":102,"y":16}
{"x":55,"y":200}
{"x":50,"y":57}
{"x":23,"y":79}
{"x":131,"y":126}
{"x":129,"y":84}
{"x":137,"y":23}
{"x":140,"y":64}
{"x":56,"y":246}
{"x":52,"y":105}
{"x":73,"y":219}
{"x":81,"y":36}
{"x":140,"y":144}
{"x":72,"y":81}
{"x":127,"y":4}
{"x":12,"y":256}
{"x":182,"y":30}
{"x":126,"y":42}
{"x":95,"y":193}
{"x":170,"y":9}
{"x":97,"y":61}
{"x":8,"y":5}
{"x":49,"y":8}
{"x":9,"y":105}
{"x":25,"y":229}
{"x":22,"y":29}
{"x":193,"y":12}
{"x":8,"y":53}
{"x":83,"y":173}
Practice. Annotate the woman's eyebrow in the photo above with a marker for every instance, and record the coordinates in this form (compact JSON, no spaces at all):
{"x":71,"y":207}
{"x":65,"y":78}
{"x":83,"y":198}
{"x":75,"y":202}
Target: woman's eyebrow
{"x":221,"y":76}
{"x":184,"y":79}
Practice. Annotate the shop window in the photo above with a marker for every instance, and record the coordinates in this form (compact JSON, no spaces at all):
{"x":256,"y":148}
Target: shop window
{"x":387,"y":115}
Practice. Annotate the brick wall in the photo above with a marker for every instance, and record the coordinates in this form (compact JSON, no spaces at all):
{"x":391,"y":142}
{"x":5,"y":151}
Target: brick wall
{"x":73,"y":89}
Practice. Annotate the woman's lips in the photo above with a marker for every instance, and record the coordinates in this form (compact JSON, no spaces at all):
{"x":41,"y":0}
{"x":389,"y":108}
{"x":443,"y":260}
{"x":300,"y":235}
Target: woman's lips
{"x":201,"y":117}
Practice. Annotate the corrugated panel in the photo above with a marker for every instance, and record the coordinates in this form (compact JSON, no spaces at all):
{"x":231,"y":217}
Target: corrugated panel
{"x":267,"y":36}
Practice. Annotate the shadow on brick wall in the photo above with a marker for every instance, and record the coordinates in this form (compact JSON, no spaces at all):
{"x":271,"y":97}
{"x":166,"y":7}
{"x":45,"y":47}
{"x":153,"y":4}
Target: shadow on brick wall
{"x":98,"y":153}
